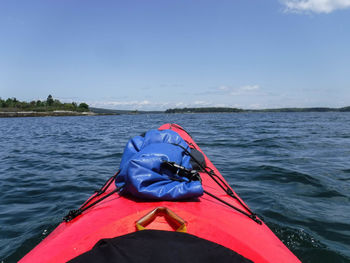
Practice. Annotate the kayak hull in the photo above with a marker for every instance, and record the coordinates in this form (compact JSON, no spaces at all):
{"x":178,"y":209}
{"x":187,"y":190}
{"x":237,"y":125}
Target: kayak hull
{"x":205,"y":218}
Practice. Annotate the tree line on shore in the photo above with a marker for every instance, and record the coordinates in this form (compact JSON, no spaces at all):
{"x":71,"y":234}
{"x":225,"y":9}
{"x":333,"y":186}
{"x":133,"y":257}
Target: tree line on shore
{"x":225,"y":109}
{"x":50,"y":104}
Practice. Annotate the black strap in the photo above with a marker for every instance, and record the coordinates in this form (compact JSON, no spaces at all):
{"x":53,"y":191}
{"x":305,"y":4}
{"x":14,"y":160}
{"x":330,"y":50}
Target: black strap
{"x":251,"y":215}
{"x":191,"y":175}
{"x":76,"y":212}
{"x":224,"y":187}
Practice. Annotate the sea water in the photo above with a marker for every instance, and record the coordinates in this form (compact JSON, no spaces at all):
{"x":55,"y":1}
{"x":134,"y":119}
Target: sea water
{"x":293,"y":169}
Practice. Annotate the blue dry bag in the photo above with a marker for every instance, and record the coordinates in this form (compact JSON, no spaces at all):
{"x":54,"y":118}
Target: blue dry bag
{"x":143,"y":175}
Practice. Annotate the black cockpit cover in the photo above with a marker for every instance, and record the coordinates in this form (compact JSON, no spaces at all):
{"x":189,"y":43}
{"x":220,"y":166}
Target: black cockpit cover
{"x":153,"y":246}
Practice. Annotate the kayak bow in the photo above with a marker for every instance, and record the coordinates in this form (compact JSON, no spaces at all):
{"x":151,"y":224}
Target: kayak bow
{"x":215,"y":216}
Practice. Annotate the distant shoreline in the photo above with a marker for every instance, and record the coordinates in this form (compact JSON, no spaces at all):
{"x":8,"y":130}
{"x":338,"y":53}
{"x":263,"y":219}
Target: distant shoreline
{"x":104,"y":112}
{"x":237,"y":110}
{"x":14,"y":114}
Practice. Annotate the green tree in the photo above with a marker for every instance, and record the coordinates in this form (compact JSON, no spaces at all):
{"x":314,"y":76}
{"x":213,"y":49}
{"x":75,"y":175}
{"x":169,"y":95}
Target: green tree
{"x":39,"y":103}
{"x":68,"y":106}
{"x":75,"y":106}
{"x":9,"y":103}
{"x":49,"y":100}
{"x":83,"y":106}
{"x":57,"y":104}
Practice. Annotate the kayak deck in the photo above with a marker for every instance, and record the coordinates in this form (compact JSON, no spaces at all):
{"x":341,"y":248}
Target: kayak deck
{"x":205,"y":217}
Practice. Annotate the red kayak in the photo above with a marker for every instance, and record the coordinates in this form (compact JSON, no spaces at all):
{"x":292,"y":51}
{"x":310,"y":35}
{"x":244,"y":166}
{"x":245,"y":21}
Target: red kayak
{"x":218,"y":216}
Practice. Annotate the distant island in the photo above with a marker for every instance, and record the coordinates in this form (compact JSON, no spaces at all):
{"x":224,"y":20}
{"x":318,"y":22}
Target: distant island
{"x":50,"y":104}
{"x":49,"y":107}
{"x":53,"y":107}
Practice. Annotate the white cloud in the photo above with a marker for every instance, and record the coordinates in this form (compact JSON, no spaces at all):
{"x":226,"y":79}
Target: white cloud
{"x":235,"y":91}
{"x":148,"y":105}
{"x":224,"y":87}
{"x":316,"y":6}
{"x":204,"y":100}
{"x":179,"y":104}
{"x":121,"y":104}
{"x":250,"y":87}
{"x":255,"y":106}
{"x":202,"y":103}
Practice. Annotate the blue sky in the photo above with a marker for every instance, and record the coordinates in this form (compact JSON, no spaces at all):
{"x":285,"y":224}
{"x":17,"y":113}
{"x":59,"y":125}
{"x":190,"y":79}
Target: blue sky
{"x":166,"y":53}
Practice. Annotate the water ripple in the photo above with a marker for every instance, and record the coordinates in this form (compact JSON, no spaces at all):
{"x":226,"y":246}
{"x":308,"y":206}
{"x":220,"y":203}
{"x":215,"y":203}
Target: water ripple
{"x":291,"y":168}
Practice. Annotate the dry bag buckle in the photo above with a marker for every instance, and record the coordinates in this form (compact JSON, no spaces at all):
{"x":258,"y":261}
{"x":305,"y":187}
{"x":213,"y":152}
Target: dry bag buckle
{"x":181,"y":171}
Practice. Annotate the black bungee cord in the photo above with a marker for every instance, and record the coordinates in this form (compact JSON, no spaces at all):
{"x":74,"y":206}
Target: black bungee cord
{"x":76,"y":212}
{"x":227,"y":190}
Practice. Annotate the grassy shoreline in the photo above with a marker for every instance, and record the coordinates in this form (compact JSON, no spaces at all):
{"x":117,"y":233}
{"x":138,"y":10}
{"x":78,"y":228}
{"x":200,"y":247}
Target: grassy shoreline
{"x":12,"y":114}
